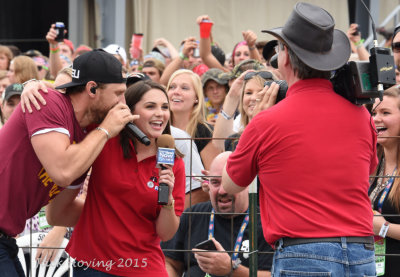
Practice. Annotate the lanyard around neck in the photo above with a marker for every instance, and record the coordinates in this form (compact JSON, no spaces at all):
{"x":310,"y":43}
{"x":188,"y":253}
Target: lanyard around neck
{"x":239,"y":236}
{"x":385,"y":192}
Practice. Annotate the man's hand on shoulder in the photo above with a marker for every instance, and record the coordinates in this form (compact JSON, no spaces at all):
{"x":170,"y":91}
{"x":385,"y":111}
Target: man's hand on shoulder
{"x":31,"y":94}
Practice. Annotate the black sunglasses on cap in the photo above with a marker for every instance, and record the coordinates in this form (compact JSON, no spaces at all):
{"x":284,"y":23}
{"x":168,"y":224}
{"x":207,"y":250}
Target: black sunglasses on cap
{"x":262,"y":74}
{"x":396,"y":47}
{"x":40,"y":67}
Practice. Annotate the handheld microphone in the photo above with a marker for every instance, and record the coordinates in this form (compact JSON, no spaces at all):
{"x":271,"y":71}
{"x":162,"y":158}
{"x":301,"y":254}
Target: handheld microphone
{"x":165,"y":155}
{"x":134,"y":131}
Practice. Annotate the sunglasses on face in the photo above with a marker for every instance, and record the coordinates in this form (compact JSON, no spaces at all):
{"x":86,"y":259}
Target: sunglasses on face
{"x":40,"y":67}
{"x":263,"y":74}
{"x":396,"y":47}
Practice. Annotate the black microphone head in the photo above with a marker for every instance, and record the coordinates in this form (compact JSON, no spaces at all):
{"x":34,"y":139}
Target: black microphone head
{"x":165,"y":141}
{"x":134,"y":132}
{"x":145,"y":141}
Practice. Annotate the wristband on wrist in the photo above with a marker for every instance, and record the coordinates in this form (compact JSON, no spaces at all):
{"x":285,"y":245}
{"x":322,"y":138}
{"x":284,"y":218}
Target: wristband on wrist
{"x":225,"y":115}
{"x":359,"y":43}
{"x":183,"y":57}
{"x":170,"y":206}
{"x":105,"y":131}
{"x":236,"y":264}
{"x":384,"y":229}
{"x":252,"y":48}
{"x":55,"y":49}
{"x":31,"y":80}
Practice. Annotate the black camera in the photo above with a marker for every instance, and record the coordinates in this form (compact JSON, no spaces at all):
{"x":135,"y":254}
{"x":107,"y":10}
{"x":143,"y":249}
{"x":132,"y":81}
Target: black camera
{"x":283,"y":87}
{"x":361,"y":82}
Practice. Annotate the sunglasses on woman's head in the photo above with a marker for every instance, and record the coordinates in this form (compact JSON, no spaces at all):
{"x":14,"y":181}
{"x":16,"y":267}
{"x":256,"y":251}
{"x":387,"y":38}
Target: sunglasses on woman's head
{"x":262,"y":74}
{"x":396,"y":47}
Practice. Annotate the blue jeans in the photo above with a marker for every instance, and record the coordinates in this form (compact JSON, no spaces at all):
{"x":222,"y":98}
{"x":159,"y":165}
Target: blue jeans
{"x":10,"y":265}
{"x":324,"y":259}
{"x":89,"y":272}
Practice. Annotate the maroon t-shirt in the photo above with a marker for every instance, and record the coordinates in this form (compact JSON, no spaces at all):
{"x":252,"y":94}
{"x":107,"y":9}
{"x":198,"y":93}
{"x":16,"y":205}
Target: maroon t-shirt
{"x":24,"y":184}
{"x":313,"y":153}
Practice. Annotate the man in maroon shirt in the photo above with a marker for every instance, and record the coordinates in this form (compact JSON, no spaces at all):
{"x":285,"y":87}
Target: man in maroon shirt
{"x":49,"y":149}
{"x":313,"y":153}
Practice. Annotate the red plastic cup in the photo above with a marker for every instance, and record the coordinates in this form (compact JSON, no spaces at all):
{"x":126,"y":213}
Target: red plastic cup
{"x":137,"y":40}
{"x":136,"y":45}
{"x":205,"y":28}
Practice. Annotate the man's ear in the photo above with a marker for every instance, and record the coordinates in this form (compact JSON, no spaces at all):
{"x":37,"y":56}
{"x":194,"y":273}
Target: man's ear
{"x":286,"y":58}
{"x":92,"y":87}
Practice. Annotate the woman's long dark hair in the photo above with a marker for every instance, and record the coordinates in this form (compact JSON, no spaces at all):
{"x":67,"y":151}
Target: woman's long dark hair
{"x":132,"y":96}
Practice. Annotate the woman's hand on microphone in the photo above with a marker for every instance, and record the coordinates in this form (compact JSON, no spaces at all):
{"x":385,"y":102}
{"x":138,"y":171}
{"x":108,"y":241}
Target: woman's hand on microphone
{"x":167,"y":177}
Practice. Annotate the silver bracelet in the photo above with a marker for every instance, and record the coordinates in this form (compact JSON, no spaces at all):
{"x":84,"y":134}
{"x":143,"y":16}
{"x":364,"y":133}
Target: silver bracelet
{"x":225,"y":115}
{"x":105,"y":131}
{"x":31,"y":80}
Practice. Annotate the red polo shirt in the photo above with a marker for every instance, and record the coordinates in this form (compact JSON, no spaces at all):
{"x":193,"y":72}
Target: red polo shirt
{"x":116,"y":232}
{"x":313,"y":153}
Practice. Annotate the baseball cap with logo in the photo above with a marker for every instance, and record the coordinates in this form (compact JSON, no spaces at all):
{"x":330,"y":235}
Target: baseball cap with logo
{"x":115,"y":49}
{"x":11,"y":90}
{"x":96,"y":65}
{"x":216,"y":75}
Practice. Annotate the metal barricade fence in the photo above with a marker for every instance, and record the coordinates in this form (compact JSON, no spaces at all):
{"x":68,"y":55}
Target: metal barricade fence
{"x":33,"y":245}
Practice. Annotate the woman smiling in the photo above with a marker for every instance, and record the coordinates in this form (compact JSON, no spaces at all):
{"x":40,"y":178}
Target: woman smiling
{"x":385,"y":189}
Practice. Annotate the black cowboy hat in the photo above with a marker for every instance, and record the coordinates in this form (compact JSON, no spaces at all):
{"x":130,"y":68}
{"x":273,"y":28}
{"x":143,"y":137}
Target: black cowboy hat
{"x":309,"y":32}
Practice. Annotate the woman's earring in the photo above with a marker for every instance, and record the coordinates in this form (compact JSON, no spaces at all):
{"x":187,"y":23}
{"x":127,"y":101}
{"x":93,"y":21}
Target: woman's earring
{"x":197,"y":101}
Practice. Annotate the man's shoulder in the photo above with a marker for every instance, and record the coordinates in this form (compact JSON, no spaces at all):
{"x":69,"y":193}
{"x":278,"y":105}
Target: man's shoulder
{"x":196,"y":213}
{"x":55,"y":95}
{"x":200,"y":207}
{"x":55,"y":101}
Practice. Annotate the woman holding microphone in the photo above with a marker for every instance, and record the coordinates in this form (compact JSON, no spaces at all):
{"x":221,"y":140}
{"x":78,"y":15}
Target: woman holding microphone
{"x":121,"y":225}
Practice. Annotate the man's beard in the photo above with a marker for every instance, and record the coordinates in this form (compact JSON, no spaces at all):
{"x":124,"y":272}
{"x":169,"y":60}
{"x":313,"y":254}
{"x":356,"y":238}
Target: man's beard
{"x":98,"y":114}
{"x":232,"y":210}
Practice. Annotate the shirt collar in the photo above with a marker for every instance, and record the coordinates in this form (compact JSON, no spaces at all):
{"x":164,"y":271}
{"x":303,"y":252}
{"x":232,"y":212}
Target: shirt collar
{"x":309,"y":84}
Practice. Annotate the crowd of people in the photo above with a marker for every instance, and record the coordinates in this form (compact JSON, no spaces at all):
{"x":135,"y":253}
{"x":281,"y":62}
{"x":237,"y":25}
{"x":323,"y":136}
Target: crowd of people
{"x":326,"y":169}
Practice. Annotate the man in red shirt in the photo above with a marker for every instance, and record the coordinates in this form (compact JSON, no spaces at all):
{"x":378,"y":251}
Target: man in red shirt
{"x":49,"y":149}
{"x":313,"y":153}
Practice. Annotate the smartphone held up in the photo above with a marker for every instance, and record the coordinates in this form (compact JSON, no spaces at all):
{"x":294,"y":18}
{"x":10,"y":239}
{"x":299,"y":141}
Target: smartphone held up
{"x":60,"y":28}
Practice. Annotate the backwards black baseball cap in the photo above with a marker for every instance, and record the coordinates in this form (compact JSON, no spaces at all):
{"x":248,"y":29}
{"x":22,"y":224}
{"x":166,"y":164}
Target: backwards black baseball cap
{"x":136,"y":77}
{"x":96,"y":65}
